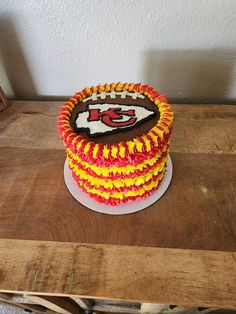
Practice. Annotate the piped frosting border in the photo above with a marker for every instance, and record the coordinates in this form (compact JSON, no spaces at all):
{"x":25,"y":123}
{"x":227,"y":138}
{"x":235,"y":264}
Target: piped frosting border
{"x":123,"y":153}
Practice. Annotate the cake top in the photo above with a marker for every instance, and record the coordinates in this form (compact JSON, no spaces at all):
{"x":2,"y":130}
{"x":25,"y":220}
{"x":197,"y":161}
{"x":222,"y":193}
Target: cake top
{"x":114,"y":116}
{"x":152,"y":115}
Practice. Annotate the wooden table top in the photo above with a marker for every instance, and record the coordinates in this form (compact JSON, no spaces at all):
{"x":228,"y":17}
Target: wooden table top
{"x":180,"y":250}
{"x":198,"y":211}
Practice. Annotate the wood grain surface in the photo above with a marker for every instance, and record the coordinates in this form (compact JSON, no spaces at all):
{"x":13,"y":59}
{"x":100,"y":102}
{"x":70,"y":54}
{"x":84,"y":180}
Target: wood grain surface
{"x":198,"y":211}
{"x":141,"y":274}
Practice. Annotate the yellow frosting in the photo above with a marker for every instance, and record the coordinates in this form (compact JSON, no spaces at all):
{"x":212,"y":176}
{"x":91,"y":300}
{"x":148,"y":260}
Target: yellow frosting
{"x":130,"y":193}
{"x":113,"y":169}
{"x":138,"y":180}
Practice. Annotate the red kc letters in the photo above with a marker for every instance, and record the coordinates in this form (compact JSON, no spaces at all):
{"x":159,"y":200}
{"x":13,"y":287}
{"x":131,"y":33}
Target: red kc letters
{"x":108,"y":116}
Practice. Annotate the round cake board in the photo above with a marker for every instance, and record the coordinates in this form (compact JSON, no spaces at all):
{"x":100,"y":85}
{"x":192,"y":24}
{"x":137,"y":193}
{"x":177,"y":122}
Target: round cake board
{"x":122,"y":209}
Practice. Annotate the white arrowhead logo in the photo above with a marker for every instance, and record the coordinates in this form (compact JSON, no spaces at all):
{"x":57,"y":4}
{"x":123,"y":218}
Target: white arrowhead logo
{"x":105,"y":118}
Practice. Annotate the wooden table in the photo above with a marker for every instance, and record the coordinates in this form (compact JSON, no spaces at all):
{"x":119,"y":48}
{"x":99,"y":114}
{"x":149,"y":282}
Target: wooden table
{"x":181,"y":250}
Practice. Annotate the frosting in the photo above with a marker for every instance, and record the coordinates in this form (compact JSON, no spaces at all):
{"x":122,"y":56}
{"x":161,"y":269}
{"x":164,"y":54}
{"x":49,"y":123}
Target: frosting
{"x":121,"y":98}
{"x":123,"y":171}
{"x":109,"y":118}
{"x":113,"y":171}
{"x":113,"y":95}
{"x":117,"y":183}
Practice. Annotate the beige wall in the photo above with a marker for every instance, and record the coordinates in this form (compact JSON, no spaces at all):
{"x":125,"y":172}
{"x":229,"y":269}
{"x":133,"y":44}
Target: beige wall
{"x":185,"y":48}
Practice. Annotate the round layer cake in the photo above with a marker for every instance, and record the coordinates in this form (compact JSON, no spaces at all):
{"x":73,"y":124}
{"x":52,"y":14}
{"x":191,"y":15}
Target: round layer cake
{"x":117,"y":140}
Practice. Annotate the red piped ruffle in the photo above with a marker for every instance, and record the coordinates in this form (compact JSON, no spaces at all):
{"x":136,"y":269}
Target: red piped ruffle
{"x":129,"y":159}
{"x":118,"y":176}
{"x":114,"y":189}
{"x":114,"y":201}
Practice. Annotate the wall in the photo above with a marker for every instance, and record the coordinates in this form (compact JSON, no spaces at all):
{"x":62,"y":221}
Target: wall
{"x":185,"y":48}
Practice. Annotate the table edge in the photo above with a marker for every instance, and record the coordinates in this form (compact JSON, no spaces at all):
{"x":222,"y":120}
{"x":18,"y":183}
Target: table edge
{"x":119,"y":272}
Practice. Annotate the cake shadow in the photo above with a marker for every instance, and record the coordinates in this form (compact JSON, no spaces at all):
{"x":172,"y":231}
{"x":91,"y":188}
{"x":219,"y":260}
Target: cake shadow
{"x":16,"y":74}
{"x":191,"y":76}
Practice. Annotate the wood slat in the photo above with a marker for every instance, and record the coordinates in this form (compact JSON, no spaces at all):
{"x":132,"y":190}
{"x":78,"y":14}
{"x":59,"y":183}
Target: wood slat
{"x":17,"y":298}
{"x":57,"y":304}
{"x":115,"y":309}
{"x":197,"y":128}
{"x":85,"y":304}
{"x":35,"y":308}
{"x":204,"y":129}
{"x":165,"y":276}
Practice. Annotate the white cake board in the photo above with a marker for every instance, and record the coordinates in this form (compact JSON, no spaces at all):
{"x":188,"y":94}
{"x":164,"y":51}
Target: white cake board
{"x":123,"y":209}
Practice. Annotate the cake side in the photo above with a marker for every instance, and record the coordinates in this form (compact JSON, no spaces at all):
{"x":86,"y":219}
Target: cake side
{"x":126,"y":170}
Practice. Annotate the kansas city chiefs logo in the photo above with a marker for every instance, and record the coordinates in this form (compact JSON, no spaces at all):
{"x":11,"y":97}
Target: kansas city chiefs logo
{"x":101,"y":119}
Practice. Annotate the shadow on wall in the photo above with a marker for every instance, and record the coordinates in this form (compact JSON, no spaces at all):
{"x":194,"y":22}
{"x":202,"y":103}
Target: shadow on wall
{"x":184,"y":75}
{"x":13,"y":62}
{"x":190,"y":75}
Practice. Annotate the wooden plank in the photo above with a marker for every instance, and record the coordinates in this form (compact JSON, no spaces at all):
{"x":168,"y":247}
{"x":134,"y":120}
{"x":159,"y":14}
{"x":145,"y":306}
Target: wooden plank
{"x":18,"y":298}
{"x":58,"y":304}
{"x":196,"y":212}
{"x":115,"y":309}
{"x":37,"y":309}
{"x":102,"y":302}
{"x":197,"y":128}
{"x":155,"y":308}
{"x":5,"y":296}
{"x":30,"y":124}
{"x":27,"y":308}
{"x":85,"y":304}
{"x":207,"y":129}
{"x":140,"y":274}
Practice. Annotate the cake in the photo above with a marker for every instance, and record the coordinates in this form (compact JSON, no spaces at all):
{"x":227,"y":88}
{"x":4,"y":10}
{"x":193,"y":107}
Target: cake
{"x":117,"y":140}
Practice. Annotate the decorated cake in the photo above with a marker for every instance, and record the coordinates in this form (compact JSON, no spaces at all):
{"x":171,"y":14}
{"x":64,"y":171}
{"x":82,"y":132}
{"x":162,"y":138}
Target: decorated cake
{"x":117,"y":140}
